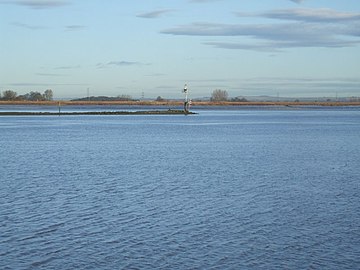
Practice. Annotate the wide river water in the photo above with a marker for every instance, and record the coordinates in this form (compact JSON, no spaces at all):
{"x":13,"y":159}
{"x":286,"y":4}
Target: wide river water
{"x":225,"y":189}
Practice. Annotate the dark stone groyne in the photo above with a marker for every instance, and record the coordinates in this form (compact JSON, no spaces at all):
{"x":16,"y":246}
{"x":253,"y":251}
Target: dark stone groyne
{"x":151,"y":112}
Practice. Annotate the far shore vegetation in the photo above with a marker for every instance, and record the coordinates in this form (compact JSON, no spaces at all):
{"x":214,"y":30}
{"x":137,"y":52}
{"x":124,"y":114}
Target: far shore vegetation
{"x":218,"y":98}
{"x":10,"y":95}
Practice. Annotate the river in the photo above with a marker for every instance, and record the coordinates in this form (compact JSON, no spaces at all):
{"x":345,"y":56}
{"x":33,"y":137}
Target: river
{"x":224,"y":189}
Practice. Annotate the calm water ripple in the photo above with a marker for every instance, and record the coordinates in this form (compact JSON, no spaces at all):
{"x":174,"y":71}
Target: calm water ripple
{"x":247,"y":189}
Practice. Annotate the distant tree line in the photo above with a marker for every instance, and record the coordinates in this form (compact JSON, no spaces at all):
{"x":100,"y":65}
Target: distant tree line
{"x":238,"y":99}
{"x":10,"y":95}
{"x":106,"y":98}
{"x":160,"y":99}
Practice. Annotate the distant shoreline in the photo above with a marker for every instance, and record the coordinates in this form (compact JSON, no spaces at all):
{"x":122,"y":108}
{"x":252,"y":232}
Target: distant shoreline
{"x":151,"y":112}
{"x":177,"y":103}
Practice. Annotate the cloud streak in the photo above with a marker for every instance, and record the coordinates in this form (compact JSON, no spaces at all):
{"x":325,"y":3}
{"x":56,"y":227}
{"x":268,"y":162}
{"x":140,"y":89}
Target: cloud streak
{"x":67,"y":28}
{"x":297,"y":28}
{"x":122,"y":63}
{"x":28,"y":26}
{"x":154,"y":14}
{"x":67,"y":67}
{"x":302,"y":86}
{"x":74,"y":27}
{"x":37,"y":4}
{"x":118,"y":64}
{"x":312,"y":15}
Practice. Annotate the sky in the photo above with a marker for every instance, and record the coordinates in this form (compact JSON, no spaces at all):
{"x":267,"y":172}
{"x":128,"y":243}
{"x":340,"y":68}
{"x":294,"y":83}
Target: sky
{"x":141,"y":48}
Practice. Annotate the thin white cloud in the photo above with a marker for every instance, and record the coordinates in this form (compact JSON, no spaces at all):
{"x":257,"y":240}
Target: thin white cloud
{"x":68,"y":67}
{"x":154,"y":14}
{"x":118,"y":64}
{"x":122,"y":63}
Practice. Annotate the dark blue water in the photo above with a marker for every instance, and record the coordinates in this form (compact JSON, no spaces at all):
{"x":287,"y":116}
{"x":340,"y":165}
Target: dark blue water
{"x":246,"y":189}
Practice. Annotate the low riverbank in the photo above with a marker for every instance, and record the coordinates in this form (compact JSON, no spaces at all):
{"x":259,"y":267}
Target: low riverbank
{"x":151,"y":112}
{"x":176,"y":103}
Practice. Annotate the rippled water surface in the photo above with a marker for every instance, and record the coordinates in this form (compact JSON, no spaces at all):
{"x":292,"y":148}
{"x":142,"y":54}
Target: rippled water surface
{"x":246,"y":189}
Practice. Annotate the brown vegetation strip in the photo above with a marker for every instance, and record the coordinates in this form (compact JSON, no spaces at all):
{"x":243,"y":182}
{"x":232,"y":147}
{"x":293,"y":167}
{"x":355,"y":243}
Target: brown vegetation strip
{"x":179,"y":103}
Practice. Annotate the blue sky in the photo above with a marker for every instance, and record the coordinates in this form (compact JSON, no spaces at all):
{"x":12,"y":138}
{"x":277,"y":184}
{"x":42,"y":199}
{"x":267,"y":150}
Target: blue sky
{"x":291,"y":48}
